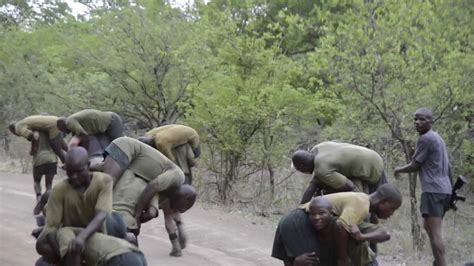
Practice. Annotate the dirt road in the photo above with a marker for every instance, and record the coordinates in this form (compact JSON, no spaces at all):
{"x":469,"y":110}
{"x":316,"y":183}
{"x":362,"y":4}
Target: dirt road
{"x":215,"y":237}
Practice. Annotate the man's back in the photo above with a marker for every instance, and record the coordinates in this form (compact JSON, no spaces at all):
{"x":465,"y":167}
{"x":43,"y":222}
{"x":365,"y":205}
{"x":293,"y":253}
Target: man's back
{"x":45,"y":153}
{"x":89,"y":122}
{"x":144,"y":160}
{"x":350,"y":160}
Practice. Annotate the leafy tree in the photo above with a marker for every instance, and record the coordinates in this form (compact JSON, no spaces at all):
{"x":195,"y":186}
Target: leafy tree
{"x":246,"y":105}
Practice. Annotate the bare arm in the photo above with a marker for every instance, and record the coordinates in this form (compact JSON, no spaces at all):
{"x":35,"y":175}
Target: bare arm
{"x":93,"y":226}
{"x":377,"y":236}
{"x":145,"y":198}
{"x":342,"y":238}
{"x":413,"y":166}
{"x":309,"y":192}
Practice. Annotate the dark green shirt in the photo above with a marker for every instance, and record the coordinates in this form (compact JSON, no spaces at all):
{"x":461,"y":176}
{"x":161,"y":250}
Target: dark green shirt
{"x":45,"y":153}
{"x":89,"y":122}
{"x":335,"y":162}
{"x":45,"y":123}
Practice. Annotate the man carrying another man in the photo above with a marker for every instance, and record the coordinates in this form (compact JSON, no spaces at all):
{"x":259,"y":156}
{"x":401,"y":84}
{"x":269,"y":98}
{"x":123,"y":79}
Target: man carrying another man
{"x":348,"y":238}
{"x":30,"y":127}
{"x":141,"y":173}
{"x":92,"y":129}
{"x":178,"y":143}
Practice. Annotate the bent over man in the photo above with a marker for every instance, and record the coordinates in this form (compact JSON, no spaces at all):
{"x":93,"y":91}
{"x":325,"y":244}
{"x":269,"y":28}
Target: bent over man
{"x":29,"y":128}
{"x":178,"y":143}
{"x":90,"y":122}
{"x":338,"y":167}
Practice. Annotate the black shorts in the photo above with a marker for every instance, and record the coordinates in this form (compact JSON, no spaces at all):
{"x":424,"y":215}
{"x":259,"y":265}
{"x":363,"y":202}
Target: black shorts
{"x":44,"y":169}
{"x":434,"y":204}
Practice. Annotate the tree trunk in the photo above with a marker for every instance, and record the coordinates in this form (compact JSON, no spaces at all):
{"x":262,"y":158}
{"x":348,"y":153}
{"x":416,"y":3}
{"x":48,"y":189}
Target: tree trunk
{"x":417,"y":238}
{"x":272,"y":180}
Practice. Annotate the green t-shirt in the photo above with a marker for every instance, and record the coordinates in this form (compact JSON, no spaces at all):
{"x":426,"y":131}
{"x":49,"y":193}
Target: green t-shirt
{"x":170,"y":136}
{"x":336,"y":162}
{"x":46,"y":123}
{"x":45,"y":153}
{"x":127,"y":190}
{"x":147,"y":162}
{"x":99,"y":248}
{"x":69,"y":207}
{"x":89,"y":122}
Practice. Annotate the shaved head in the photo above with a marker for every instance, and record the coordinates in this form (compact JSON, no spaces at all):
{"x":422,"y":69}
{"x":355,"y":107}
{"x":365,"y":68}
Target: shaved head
{"x":77,"y":156}
{"x":320,"y":202}
{"x":183,"y":198}
{"x":390,"y":192}
{"x":188,"y":192}
{"x":303,"y":161}
{"x":425,"y":112}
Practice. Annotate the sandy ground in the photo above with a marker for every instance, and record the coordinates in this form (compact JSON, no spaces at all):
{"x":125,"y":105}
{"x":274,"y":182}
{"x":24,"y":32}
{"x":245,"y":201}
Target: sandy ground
{"x":215,"y":237}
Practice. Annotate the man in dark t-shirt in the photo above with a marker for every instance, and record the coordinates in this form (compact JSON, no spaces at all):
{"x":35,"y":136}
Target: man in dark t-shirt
{"x":431,"y":162}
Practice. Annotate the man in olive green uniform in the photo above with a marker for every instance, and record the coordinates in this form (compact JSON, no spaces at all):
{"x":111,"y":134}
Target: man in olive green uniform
{"x":178,"y":143}
{"x":352,"y":209}
{"x":128,"y":159}
{"x":92,"y":127}
{"x":30,"y":126}
{"x":340,"y":167}
{"x":44,"y":163}
{"x":82,"y":200}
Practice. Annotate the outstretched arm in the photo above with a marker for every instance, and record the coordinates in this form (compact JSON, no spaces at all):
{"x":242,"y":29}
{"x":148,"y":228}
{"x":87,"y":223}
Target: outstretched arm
{"x":413,"y":166}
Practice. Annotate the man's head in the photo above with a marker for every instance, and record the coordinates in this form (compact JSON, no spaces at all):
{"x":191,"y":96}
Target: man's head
{"x":11,"y":127}
{"x":303,"y":161}
{"x":183,"y":198}
{"x":423,"y":120}
{"x":320,"y":212}
{"x":77,"y":167}
{"x":385,"y":200}
{"x":61,"y":123}
{"x":147,"y":140}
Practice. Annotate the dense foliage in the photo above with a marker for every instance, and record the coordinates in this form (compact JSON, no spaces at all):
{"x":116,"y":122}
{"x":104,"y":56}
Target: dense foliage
{"x":258,"y":79}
